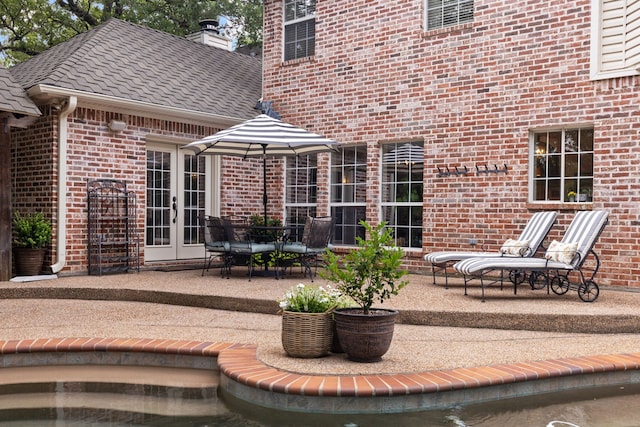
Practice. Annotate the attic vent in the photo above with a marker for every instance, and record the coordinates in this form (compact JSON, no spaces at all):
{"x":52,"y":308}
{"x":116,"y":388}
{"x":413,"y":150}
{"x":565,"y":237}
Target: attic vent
{"x":209,"y":25}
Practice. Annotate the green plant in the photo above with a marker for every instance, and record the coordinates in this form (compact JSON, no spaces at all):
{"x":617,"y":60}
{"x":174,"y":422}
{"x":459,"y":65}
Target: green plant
{"x":370,"y":273}
{"x":312,"y":299}
{"x":31,"y":230}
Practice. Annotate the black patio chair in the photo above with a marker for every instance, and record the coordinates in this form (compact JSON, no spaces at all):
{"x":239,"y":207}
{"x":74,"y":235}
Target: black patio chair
{"x":216,"y":244}
{"x":243,"y":245}
{"x":314,"y":243}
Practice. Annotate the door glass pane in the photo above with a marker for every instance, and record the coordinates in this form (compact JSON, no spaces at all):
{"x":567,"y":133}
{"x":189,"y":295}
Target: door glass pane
{"x":194,"y":197}
{"x":158,"y":198}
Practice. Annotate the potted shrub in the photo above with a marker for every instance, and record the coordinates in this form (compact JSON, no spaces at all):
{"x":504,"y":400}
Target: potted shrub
{"x":367,"y":275}
{"x":31,"y":237}
{"x":307,"y":322}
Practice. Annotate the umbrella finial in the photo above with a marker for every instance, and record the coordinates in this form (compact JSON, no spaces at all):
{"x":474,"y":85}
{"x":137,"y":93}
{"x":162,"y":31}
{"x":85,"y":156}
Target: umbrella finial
{"x":266,"y":107}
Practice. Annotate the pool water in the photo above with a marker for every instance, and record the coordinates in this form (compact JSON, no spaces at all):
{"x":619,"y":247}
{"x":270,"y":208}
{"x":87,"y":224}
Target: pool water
{"x":196,"y":402}
{"x":613,"y":406}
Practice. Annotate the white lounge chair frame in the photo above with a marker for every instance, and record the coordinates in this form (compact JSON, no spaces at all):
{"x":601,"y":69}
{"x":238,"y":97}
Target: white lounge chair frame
{"x":585,"y":229}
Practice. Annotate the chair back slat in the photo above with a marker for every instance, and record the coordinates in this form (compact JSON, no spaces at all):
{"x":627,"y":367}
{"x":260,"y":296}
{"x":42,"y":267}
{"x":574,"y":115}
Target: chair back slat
{"x":213,"y":230}
{"x":585,"y":229}
{"x":320,"y":232}
{"x":537,"y":229}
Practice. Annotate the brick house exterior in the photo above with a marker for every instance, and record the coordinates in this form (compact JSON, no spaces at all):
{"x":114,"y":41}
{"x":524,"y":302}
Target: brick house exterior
{"x":474,"y":93}
{"x":166,"y":91}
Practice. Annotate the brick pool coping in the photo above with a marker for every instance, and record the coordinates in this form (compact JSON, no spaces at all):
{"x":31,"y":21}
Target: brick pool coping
{"x":246,"y":375}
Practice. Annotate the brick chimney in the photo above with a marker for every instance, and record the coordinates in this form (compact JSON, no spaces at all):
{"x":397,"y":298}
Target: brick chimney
{"x":209,"y":34}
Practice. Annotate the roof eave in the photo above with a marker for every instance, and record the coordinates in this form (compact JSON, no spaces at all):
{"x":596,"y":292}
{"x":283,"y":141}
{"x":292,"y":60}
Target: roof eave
{"x":43,"y":92}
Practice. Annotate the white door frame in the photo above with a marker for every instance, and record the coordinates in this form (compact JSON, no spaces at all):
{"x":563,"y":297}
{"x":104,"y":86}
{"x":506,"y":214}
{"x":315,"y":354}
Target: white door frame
{"x":177,"y":237}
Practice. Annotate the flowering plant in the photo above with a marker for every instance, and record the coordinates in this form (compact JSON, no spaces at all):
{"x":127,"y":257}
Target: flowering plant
{"x":312,"y":299}
{"x":571,"y":194}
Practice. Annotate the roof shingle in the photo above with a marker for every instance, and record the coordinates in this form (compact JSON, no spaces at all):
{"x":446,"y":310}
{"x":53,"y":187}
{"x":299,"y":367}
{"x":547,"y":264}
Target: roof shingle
{"x":14,"y":99}
{"x":132,"y":62}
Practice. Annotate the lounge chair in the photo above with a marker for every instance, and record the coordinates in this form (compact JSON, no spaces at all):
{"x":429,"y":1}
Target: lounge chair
{"x":561,"y":259}
{"x":526,"y":245}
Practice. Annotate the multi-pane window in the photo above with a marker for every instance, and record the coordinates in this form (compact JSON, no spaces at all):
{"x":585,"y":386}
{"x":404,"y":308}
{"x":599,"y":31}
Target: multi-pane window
{"x":299,"y":28}
{"x":615,"y":44}
{"x":444,"y":13}
{"x":349,"y":193}
{"x":402,"y":185}
{"x":300,"y":190}
{"x":562,"y":165}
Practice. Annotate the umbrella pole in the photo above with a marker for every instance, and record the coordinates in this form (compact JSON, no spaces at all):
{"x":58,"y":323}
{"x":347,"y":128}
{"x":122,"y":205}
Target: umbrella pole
{"x":264,"y":182}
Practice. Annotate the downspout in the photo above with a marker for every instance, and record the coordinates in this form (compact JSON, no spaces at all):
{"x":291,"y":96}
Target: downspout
{"x":68,"y":107}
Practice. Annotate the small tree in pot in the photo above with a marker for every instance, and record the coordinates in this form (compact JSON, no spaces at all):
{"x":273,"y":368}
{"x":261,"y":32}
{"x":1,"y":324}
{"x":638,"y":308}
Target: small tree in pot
{"x":369,"y":274}
{"x":31,"y":235}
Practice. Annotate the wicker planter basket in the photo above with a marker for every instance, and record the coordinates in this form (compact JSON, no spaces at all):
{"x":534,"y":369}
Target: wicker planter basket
{"x":307,"y":334}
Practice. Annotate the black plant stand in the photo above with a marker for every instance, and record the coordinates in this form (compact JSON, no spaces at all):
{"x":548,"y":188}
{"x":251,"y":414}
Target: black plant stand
{"x":113,"y":239}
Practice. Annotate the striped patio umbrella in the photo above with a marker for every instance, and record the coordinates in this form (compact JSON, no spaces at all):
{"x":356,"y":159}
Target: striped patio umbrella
{"x":263,"y":136}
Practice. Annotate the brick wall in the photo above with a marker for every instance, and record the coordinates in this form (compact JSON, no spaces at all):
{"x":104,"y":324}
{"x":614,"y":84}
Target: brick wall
{"x":94,"y":152}
{"x":472,"y":93}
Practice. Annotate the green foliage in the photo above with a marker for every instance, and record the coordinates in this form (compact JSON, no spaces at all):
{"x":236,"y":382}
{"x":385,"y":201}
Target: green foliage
{"x":312,"y":299}
{"x":245,"y":21}
{"x":29,"y":27}
{"x":370,"y":273}
{"x":262,"y":235}
{"x":258,"y":221}
{"x":31,"y":230}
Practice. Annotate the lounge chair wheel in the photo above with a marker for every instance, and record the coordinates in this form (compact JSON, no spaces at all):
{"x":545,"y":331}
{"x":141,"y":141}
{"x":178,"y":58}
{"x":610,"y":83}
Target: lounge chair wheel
{"x":517,"y":277}
{"x":560,"y":285}
{"x":538,"y":280}
{"x":588,"y":291}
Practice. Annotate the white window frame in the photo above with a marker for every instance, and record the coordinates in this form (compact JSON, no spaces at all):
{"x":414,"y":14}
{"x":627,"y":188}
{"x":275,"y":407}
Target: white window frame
{"x":576,"y":183}
{"x":295,"y":21}
{"x":444,"y":5}
{"x":301,"y":179}
{"x":398,"y":196}
{"x":615,"y":39}
{"x":348,"y":192}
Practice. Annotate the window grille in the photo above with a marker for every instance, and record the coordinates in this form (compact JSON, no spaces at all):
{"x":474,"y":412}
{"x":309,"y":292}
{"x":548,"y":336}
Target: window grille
{"x":299,"y":29}
{"x":562,"y":165}
{"x":444,"y":13}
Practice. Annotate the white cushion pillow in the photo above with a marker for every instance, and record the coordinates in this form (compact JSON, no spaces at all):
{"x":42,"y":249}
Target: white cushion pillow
{"x":561,"y":252}
{"x":514,"y":247}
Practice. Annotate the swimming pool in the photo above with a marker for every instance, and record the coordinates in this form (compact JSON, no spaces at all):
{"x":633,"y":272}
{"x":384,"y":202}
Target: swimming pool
{"x":70,"y":403}
{"x":229,"y":380}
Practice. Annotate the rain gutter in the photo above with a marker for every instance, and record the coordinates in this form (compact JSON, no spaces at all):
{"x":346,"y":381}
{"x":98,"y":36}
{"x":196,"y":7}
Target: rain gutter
{"x":67,"y":108}
{"x":127,"y":106}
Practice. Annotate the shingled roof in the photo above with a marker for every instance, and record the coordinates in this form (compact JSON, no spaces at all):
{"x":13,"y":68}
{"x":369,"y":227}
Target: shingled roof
{"x":131,"y":62}
{"x":13,"y":98}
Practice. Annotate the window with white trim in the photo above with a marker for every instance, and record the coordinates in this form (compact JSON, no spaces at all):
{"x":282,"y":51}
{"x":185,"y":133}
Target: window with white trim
{"x":301,"y":189}
{"x":402,"y":188}
{"x":299,"y":28}
{"x":615,"y":38}
{"x":444,"y":13}
{"x":562,"y":165}
{"x":349,"y":193}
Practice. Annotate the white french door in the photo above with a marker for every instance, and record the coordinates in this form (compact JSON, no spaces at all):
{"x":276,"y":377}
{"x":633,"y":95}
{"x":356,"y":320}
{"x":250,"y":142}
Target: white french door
{"x":179,"y":187}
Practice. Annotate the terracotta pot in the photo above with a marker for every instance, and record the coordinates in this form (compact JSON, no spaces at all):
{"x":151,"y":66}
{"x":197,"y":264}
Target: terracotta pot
{"x":365,"y":337}
{"x":28,"y":261}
